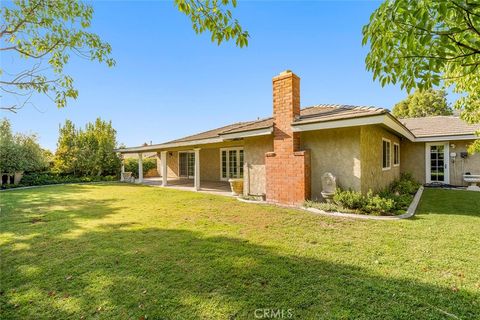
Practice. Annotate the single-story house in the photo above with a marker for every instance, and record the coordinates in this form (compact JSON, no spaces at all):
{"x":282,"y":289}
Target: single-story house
{"x":284,"y":157}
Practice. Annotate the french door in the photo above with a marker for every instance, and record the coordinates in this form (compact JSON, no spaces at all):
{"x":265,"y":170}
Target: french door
{"x":186,"y":164}
{"x":231,"y":163}
{"x":437,"y":163}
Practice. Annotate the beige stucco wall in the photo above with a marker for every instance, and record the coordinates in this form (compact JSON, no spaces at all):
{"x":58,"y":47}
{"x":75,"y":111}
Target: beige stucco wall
{"x":413,"y":161}
{"x":373,"y":176}
{"x":172,"y":164}
{"x":460,"y":166}
{"x":210,"y":164}
{"x":254,"y":164}
{"x":336,"y":151}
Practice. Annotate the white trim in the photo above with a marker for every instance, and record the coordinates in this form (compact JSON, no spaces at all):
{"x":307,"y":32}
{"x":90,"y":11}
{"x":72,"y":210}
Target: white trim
{"x":384,"y":119}
{"x":140,"y":167}
{"x":398,"y":145}
{"x":228,"y":162}
{"x":163,"y":158}
{"x":246,"y":134}
{"x":389,"y":155}
{"x":156,"y":147}
{"x":446,"y":156}
{"x":196,"y":172}
{"x":444,"y":138}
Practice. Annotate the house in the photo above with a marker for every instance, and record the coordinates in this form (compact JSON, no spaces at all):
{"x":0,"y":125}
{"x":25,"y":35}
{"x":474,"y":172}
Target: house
{"x":284,"y":157}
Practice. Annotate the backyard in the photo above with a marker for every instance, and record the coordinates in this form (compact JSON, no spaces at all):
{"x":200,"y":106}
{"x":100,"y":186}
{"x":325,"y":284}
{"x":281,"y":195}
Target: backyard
{"x":115,"y":251}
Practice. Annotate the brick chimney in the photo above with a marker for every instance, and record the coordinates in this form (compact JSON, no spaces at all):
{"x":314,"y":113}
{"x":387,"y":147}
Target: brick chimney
{"x":287,"y":167}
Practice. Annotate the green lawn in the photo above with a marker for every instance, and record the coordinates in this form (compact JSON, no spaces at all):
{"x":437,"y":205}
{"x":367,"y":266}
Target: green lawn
{"x":124,"y":251}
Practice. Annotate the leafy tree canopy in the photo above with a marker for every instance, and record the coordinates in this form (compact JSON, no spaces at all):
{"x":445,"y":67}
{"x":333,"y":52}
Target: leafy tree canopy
{"x":19,"y":152}
{"x":425,"y":103}
{"x":87,"y":151}
{"x":428,"y":43}
{"x":45,"y":34}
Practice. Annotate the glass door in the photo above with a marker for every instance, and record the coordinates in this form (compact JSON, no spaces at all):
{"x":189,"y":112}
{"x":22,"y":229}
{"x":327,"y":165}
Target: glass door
{"x":186,"y":164}
{"x":231,"y":163}
{"x":437,"y":163}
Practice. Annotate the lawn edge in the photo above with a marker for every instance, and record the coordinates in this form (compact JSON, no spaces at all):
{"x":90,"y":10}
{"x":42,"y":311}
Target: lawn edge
{"x":58,"y":184}
{"x":412,"y":208}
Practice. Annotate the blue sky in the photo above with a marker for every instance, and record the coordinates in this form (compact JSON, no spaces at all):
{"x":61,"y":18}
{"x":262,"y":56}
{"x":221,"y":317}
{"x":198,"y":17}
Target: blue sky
{"x":170,"y":82}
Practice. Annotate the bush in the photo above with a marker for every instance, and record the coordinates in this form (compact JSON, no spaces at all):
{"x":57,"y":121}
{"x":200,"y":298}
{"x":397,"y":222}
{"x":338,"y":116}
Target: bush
{"x":328,"y":207}
{"x":377,"y":205}
{"x":405,"y":185}
{"x":131,"y":165}
{"x":46,"y":178}
{"x":349,"y":199}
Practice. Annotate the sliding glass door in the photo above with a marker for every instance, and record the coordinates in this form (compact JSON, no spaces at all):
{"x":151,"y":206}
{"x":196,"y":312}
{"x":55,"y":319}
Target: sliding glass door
{"x":186,"y":164}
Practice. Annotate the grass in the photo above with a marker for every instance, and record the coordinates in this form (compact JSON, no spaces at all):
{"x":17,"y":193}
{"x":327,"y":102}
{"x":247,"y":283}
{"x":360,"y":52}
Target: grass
{"x":131,"y":252}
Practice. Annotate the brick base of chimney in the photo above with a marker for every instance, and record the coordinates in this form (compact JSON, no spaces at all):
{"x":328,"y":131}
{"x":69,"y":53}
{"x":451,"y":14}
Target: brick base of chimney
{"x":288,"y":177}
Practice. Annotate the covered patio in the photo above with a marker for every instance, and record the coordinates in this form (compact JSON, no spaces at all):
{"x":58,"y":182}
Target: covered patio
{"x":213,"y":187}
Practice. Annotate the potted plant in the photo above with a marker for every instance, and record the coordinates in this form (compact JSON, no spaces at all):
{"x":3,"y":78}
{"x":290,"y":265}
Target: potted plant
{"x":236,"y":185}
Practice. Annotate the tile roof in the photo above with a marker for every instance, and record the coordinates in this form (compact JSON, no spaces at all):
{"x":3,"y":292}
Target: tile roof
{"x":329,"y":112}
{"x":317,"y":113}
{"x":439,"y":126}
{"x":420,"y":127}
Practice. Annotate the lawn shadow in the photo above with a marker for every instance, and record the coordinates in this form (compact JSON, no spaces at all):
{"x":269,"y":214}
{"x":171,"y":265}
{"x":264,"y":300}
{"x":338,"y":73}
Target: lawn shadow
{"x":119,"y":272}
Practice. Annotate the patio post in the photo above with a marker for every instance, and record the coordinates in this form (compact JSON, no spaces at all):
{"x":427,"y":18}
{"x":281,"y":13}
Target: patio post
{"x":140,"y":167}
{"x":122,"y":172}
{"x":196,"y":181}
{"x":163,"y":158}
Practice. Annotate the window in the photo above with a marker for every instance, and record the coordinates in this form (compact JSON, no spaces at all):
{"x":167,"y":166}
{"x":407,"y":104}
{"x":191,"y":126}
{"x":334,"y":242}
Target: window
{"x":396,"y":154}
{"x":231,"y":163}
{"x":386,"y":160}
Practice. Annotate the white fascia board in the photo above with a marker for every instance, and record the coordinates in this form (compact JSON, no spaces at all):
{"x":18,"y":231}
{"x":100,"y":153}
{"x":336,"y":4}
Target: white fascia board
{"x":447,"y":138}
{"x":338,"y":123}
{"x":394,"y":125}
{"x":247,"y":134}
{"x":168,"y":145}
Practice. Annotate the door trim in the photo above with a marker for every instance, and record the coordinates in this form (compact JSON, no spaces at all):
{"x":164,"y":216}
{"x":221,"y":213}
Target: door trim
{"x":446,"y":155}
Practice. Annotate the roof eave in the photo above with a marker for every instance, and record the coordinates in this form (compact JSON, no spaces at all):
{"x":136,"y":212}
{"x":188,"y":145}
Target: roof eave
{"x":383,"y":118}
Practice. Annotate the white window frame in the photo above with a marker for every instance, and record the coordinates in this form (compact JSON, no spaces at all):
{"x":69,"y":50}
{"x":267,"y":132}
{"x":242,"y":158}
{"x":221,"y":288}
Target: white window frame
{"x":389,"y":155}
{"x":395,"y":144}
{"x":228,"y":162}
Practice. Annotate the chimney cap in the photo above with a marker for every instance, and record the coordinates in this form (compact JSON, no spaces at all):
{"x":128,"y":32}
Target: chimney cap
{"x":285,"y":72}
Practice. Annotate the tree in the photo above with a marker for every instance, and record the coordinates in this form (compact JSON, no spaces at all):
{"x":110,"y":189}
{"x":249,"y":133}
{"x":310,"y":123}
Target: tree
{"x":425,"y":103}
{"x":427,"y":43}
{"x":19,"y":152}
{"x":89,"y":151}
{"x":45,"y":33}
{"x":67,"y":150}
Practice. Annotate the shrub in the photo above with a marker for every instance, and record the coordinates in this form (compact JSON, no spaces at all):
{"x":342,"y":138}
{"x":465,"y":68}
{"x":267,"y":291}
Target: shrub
{"x":328,"y":207}
{"x":378,"y":205}
{"x":349,"y":199}
{"x":131,"y":165}
{"x":405,"y":185}
{"x":46,"y":178}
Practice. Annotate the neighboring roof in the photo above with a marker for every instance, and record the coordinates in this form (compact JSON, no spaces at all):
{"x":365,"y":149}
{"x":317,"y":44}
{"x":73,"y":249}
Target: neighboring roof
{"x":439,"y":126}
